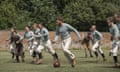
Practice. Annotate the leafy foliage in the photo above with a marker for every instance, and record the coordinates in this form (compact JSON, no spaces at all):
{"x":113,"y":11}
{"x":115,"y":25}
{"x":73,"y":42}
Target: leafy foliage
{"x":79,"y":13}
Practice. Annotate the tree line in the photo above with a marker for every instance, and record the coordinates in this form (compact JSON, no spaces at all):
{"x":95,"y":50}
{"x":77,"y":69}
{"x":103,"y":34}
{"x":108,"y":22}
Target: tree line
{"x":79,"y":13}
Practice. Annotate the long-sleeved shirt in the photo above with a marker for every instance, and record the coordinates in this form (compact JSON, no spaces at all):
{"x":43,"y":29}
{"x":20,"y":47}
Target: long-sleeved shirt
{"x":29,"y":35}
{"x":17,"y":39}
{"x":37,"y":34}
{"x":114,"y":32}
{"x":44,"y":34}
{"x":97,"y":36}
{"x":64,"y":31}
{"x":11,"y":37}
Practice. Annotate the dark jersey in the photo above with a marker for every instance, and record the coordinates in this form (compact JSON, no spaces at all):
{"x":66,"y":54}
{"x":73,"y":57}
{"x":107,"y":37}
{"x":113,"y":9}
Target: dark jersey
{"x":17,"y":41}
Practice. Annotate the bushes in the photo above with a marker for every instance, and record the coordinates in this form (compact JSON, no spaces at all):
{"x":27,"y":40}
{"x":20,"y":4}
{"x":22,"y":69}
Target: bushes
{"x":79,"y":13}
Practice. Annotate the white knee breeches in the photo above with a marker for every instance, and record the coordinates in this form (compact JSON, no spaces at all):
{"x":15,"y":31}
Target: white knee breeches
{"x":65,"y":46}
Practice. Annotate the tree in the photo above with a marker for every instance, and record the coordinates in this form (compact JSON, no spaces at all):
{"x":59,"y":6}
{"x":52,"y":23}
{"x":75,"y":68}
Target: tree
{"x":79,"y":13}
{"x":82,"y":14}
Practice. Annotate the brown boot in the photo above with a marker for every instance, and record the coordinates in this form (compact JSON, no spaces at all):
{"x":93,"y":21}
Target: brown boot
{"x":34,"y":60}
{"x":56,"y":63}
{"x":39,"y":61}
{"x":104,"y":59}
{"x":73,"y":62}
{"x":116,"y":65}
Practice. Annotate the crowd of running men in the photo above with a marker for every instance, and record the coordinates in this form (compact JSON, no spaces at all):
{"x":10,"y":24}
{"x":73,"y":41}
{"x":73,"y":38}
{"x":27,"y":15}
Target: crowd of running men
{"x":37,"y":37}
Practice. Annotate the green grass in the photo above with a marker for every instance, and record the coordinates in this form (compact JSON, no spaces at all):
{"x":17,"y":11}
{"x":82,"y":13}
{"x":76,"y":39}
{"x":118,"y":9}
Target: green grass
{"x":83,"y":64}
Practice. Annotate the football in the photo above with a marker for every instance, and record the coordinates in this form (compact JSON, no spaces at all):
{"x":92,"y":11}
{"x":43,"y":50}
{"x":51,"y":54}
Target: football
{"x":56,"y":64}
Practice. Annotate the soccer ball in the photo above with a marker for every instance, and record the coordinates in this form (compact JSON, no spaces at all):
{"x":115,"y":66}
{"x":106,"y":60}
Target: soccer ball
{"x":56,"y":64}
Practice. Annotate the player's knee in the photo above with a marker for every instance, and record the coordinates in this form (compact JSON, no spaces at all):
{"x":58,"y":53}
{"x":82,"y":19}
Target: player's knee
{"x":93,"y":49}
{"x":29,"y":48}
{"x":31,"y":52}
{"x":39,"y":49}
{"x":72,"y":56}
{"x":114,"y":53}
{"x":101,"y":51}
{"x":65,"y":50}
{"x":52,"y":51}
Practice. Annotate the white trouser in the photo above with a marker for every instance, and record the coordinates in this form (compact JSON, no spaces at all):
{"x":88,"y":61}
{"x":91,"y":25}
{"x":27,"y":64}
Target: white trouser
{"x":115,"y":48}
{"x":97,"y":47}
{"x":65,"y":46}
{"x":12,"y":47}
{"x":30,"y":44}
{"x":47,"y":44}
{"x":36,"y":47}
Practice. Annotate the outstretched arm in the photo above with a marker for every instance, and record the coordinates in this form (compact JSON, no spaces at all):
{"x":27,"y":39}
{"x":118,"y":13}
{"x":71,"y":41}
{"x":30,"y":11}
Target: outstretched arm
{"x":73,"y":29}
{"x":39,"y":35}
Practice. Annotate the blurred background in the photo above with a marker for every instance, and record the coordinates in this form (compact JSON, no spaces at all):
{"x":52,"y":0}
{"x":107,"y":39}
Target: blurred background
{"x":79,"y":13}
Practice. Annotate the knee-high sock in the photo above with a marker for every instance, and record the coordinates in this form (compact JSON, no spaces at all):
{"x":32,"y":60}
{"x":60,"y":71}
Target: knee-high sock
{"x":115,"y":58}
{"x":40,"y":55}
{"x":34,"y":54}
{"x":17,"y":58}
{"x":96,"y":54}
{"x":68,"y":57}
{"x":13,"y":55}
{"x":103,"y":55}
{"x":55,"y":55}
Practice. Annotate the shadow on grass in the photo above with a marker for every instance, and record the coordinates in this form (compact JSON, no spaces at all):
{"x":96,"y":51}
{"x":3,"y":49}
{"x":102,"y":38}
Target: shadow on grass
{"x":110,"y":67}
{"x":10,"y":61}
{"x":83,"y":57}
{"x":86,"y":57}
{"x":85,"y":62}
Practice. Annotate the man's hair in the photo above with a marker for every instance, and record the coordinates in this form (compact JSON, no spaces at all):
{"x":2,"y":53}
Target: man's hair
{"x":15,"y":31}
{"x":60,"y":19}
{"x":111,"y":19}
{"x":93,"y":26}
{"x":29,"y":27}
{"x":41,"y":23}
{"x":13,"y":28}
{"x":35,"y":24}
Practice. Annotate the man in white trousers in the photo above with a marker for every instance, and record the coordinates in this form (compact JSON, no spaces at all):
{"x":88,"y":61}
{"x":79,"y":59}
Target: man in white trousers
{"x":46,"y":42}
{"x":63,"y":30}
{"x":114,"y":31}
{"x":29,"y":37}
{"x":37,"y":46}
{"x":97,"y":38}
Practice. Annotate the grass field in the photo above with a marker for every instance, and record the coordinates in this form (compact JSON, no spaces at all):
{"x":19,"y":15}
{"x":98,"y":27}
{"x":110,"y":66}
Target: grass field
{"x":83,"y":64}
